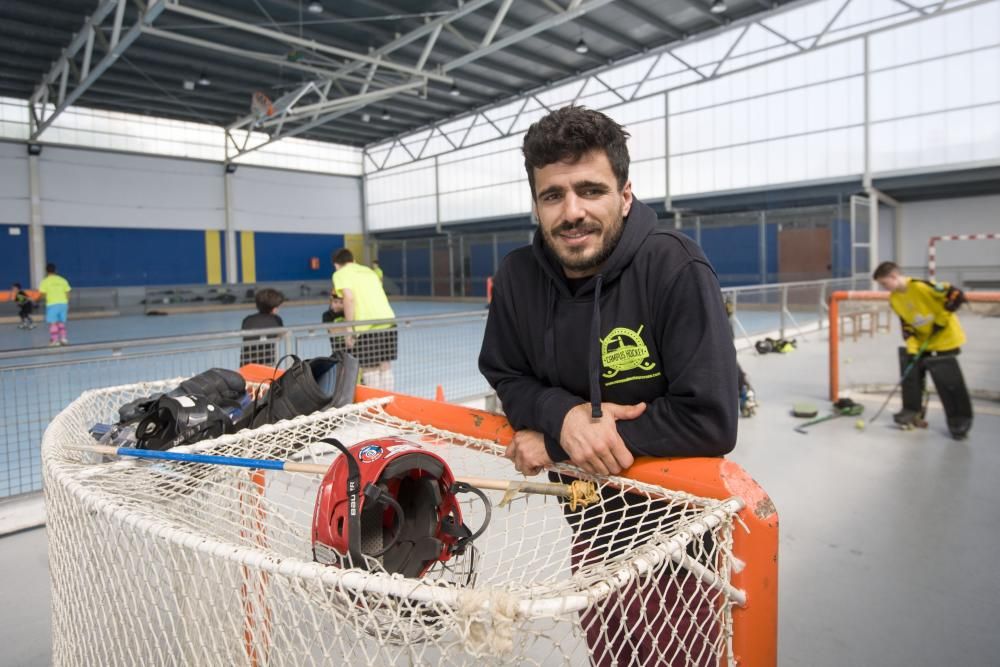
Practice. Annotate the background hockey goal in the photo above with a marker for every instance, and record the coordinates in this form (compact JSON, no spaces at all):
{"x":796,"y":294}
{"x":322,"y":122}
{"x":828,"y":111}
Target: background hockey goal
{"x":865,"y":335}
{"x":179,"y":563}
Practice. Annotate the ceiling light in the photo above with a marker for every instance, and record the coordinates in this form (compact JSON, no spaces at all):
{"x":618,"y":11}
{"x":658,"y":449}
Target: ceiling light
{"x":385,"y":114}
{"x":315,"y":8}
{"x":203,"y":80}
{"x":581,"y":47}
{"x":188,"y":84}
{"x":718,"y":6}
{"x":454,"y":91}
{"x":366,"y":118}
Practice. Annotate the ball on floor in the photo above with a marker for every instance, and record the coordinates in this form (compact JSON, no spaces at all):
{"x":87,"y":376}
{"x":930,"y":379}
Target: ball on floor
{"x":860,"y":424}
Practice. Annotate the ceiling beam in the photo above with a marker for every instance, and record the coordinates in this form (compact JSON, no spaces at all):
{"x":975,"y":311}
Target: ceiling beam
{"x":652,"y":19}
{"x":532,"y":30}
{"x":603,"y":30}
{"x":311,"y":44}
{"x":84,"y":42}
{"x":534,"y":58}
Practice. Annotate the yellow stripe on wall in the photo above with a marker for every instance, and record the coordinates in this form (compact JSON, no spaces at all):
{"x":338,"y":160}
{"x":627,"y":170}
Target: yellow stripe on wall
{"x":213,"y":257}
{"x":249,"y":257}
{"x":356,"y":244}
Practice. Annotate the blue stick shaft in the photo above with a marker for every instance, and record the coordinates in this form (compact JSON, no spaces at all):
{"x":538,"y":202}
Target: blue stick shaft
{"x":265,"y":464}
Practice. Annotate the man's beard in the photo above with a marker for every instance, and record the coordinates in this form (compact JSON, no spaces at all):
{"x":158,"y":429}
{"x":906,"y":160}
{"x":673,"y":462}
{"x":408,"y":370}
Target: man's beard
{"x":573,"y":260}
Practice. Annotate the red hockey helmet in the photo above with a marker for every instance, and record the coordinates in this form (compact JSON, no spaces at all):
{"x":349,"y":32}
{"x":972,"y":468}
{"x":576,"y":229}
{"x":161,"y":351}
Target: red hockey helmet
{"x":391,"y":503}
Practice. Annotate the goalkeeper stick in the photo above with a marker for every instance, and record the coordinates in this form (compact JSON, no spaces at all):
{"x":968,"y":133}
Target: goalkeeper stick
{"x":906,"y":371}
{"x":582,"y":492}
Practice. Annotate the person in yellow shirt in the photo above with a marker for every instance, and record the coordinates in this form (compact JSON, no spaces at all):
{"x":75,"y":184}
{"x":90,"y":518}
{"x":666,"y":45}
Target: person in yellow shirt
{"x":374,"y":345}
{"x":55,"y":289}
{"x":926,"y":311}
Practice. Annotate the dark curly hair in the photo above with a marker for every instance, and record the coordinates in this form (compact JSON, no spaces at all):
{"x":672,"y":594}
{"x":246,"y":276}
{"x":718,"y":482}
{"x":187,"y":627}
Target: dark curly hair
{"x":567,"y":133}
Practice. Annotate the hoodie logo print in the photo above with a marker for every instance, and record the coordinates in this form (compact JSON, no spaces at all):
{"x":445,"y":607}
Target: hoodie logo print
{"x":624,"y":350}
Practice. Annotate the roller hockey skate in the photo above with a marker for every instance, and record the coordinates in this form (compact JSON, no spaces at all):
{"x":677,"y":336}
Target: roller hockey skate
{"x":909,"y":420}
{"x":748,"y":401}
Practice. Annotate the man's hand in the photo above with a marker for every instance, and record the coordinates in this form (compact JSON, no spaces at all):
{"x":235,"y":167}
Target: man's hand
{"x":596,"y":447}
{"x":527,"y":451}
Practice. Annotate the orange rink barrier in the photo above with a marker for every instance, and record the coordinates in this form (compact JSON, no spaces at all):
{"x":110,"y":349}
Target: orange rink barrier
{"x":755,"y":625}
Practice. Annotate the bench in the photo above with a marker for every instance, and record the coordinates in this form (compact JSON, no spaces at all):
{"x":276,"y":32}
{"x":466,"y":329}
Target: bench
{"x":869,"y":320}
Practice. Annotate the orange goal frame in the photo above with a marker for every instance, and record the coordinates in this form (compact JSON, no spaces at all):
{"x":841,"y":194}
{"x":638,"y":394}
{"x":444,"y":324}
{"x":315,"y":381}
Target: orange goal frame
{"x":755,"y":624}
{"x":869,"y":295}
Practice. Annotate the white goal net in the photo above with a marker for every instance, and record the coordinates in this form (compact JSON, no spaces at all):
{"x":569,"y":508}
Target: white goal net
{"x":187,"y":563}
{"x":866,"y":337}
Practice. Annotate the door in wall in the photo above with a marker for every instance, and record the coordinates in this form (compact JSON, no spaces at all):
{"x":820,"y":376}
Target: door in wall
{"x":805,"y":254}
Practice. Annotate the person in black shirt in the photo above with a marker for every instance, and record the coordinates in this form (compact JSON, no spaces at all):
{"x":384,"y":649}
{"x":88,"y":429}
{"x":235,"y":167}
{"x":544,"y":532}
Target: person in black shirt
{"x":24,"y":306}
{"x":334,"y":315}
{"x":268,"y":300}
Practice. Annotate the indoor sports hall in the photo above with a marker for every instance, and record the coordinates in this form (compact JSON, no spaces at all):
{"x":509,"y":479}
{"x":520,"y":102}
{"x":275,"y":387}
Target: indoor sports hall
{"x":277,"y":363}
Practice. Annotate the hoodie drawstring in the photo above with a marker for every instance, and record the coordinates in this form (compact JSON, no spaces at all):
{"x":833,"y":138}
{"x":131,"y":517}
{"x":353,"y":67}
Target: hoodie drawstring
{"x":594,"y":363}
{"x":551,"y":374}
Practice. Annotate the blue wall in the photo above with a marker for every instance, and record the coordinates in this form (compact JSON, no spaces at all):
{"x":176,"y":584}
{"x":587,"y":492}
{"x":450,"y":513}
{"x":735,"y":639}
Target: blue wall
{"x":286,"y":256}
{"x":14,"y":253}
{"x":107,"y":256}
{"x":733,"y":251}
{"x":418,"y":271}
{"x":480,"y":267}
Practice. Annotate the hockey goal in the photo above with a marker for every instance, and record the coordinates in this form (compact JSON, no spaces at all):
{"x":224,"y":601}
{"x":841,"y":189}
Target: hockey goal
{"x":190,"y":563}
{"x":865,"y":335}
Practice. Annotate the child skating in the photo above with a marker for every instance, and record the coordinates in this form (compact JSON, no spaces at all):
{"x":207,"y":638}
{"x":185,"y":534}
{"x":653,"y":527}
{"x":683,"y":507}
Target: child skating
{"x":25,"y":306}
{"x":55,"y":289}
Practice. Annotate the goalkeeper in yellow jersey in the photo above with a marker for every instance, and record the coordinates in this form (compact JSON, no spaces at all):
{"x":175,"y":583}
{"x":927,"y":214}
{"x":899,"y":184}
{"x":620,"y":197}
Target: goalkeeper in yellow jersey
{"x":926,"y":311}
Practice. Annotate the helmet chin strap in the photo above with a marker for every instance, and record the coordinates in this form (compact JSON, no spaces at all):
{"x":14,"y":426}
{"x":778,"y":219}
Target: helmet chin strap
{"x":353,"y":504}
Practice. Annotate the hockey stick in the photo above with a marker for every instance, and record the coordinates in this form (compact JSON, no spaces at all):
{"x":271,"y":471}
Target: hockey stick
{"x":906,"y":371}
{"x":844,"y":407}
{"x":581,"y":492}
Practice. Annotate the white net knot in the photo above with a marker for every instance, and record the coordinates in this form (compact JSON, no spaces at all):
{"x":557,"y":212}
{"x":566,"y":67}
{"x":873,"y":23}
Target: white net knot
{"x":487,"y":618}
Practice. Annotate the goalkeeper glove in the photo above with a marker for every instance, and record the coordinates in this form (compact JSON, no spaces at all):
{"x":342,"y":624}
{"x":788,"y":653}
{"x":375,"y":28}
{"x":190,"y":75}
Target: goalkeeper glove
{"x":953,"y":299}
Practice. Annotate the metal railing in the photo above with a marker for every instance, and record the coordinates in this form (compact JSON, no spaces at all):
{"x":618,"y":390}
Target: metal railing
{"x":433,"y":350}
{"x":35,"y":384}
{"x":143,"y":299}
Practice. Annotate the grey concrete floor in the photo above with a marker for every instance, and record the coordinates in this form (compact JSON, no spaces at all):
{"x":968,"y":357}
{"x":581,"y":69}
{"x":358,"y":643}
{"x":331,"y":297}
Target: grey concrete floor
{"x":888,"y":538}
{"x":25,"y":623}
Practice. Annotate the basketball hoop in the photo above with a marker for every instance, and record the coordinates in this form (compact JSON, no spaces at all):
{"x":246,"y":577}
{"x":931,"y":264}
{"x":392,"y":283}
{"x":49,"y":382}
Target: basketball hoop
{"x":261,"y":105}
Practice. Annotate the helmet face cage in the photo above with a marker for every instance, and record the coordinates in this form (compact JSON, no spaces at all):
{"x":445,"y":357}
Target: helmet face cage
{"x":388,"y":504}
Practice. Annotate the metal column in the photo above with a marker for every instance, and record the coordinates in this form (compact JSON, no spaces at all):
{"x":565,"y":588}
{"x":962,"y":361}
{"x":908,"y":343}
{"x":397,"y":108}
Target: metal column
{"x":762,"y":245}
{"x":36,"y":231}
{"x":367,"y":255}
{"x":667,"y":203}
{"x":232,"y":270}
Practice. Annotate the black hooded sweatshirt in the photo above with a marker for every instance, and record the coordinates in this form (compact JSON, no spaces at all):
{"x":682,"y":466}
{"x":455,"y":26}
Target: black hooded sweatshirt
{"x":651,"y":326}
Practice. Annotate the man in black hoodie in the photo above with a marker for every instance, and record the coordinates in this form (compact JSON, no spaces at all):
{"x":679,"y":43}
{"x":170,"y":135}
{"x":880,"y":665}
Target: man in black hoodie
{"x":607,"y":338}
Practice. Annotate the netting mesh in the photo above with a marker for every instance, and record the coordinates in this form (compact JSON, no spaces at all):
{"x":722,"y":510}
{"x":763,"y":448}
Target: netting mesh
{"x":869,"y":337}
{"x":180,"y":563}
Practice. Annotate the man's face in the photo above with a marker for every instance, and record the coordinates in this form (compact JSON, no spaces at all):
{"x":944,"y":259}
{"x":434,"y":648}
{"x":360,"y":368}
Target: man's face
{"x":581,"y":211}
{"x":894,"y":282}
